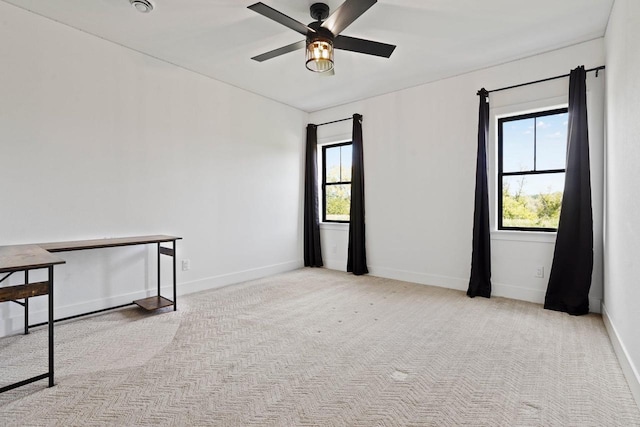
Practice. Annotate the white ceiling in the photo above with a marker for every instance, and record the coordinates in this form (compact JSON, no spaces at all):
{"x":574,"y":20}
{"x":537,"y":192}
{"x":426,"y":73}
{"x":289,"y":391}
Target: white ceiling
{"x":435,"y":39}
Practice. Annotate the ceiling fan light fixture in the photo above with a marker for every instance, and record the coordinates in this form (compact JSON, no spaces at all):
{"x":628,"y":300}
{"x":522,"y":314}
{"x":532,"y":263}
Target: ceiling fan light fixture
{"x":143,"y":6}
{"x":319,"y":54}
{"x":321,"y":34}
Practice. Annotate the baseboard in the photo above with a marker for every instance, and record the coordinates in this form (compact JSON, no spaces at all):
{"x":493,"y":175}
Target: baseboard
{"x":420,"y":278}
{"x":533,"y":295}
{"x":498,"y":289}
{"x":15,"y":323}
{"x":335,"y":264}
{"x":214,"y":282}
{"x":517,"y":292}
{"x":630,"y":371}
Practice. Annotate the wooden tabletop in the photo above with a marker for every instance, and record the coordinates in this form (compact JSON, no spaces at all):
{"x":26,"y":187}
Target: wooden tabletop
{"x":105,"y":243}
{"x":23,"y":257}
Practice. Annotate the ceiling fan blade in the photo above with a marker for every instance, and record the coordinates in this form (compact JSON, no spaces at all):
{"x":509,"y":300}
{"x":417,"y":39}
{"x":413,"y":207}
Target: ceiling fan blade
{"x":280,"y":51}
{"x":367,"y":47}
{"x":280,"y":18}
{"x":344,"y":15}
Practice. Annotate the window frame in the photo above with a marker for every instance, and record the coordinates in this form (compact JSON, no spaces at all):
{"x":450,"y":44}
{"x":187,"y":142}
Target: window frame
{"x":324,"y":181}
{"x":535,"y":171}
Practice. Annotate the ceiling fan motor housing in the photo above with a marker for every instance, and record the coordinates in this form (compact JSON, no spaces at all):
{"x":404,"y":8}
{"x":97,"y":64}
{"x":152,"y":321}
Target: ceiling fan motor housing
{"x":320,"y":32}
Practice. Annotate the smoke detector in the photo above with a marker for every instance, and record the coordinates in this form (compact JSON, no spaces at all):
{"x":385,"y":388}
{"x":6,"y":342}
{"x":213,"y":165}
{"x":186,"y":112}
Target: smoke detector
{"x":143,"y":6}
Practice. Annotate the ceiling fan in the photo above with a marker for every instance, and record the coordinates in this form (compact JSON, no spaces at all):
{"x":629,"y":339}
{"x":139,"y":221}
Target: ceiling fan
{"x":323,"y":35}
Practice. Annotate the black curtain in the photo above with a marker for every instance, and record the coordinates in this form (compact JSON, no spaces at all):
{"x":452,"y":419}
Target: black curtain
{"x":570,"y":277}
{"x":312,"y":250}
{"x":480,"y":281}
{"x":357,"y":254}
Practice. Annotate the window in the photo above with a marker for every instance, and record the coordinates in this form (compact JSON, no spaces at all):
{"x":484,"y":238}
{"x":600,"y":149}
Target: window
{"x":336,"y":182}
{"x":532,"y":151}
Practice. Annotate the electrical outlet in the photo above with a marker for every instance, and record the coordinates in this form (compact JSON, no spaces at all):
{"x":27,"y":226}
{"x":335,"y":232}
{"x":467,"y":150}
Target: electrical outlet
{"x":186,"y":264}
{"x":539,"y":271}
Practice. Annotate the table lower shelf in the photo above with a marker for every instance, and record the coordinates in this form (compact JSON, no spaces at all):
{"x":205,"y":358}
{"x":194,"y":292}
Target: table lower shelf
{"x":153,"y":303}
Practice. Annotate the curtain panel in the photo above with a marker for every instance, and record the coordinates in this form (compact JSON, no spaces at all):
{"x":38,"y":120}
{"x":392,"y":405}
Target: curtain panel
{"x":357,"y":254}
{"x":312,"y":249}
{"x":570,"y":277}
{"x":480,"y":281}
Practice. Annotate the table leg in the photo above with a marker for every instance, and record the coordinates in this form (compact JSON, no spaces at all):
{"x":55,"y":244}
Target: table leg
{"x":158,"y":270}
{"x":26,"y":305}
{"x":51,"y":383}
{"x":175,"y":295}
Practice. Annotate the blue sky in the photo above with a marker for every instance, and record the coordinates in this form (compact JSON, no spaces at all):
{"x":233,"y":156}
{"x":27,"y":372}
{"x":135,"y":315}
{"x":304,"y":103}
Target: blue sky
{"x":550,"y":134}
{"x":334,"y":155}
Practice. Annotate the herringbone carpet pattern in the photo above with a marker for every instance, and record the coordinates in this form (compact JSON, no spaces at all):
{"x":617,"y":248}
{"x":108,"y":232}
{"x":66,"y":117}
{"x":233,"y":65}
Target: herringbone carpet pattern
{"x":317,"y":347}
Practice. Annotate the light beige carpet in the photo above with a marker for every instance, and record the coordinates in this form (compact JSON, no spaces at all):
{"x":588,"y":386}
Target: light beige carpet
{"x":319,"y":347}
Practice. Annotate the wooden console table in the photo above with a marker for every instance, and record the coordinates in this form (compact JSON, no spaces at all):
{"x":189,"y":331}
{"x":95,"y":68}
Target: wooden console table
{"x":31,"y":257}
{"x":151,"y":303}
{"x":25,"y":258}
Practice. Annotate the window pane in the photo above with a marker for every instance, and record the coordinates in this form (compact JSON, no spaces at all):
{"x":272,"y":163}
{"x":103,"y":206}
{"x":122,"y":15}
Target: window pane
{"x":532,"y":201}
{"x":517,"y":145}
{"x":338,"y":202}
{"x":332,"y":165}
{"x":551,"y":141}
{"x":346,"y":155}
{"x":338,"y":163}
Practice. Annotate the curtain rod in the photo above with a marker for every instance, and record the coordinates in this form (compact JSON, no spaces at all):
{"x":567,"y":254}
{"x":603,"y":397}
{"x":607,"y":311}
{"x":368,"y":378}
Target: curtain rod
{"x":335,"y":121}
{"x":596,"y":69}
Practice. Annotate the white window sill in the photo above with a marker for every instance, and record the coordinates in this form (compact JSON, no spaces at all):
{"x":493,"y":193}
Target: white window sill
{"x":524,"y":236}
{"x":337,"y":226}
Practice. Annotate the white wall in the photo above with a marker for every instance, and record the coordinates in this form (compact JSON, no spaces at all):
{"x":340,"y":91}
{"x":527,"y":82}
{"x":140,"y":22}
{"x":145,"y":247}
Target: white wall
{"x":420,"y":154}
{"x":622,"y":229}
{"x":97,"y":140}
